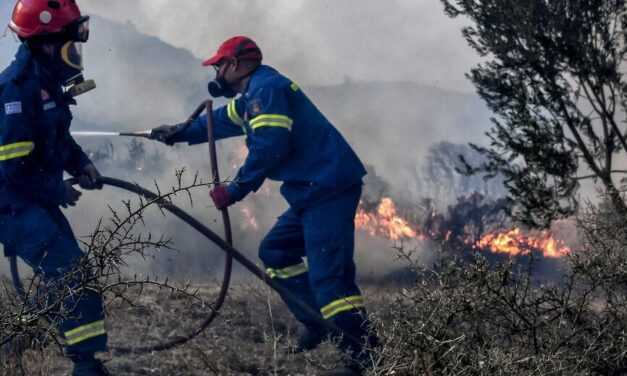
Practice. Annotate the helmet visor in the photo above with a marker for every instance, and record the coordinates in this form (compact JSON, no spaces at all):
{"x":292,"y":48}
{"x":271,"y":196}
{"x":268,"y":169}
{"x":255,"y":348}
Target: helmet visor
{"x":72,"y":55}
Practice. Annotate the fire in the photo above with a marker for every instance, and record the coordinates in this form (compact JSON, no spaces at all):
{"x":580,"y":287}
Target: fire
{"x":238,"y":155}
{"x":385,"y":222}
{"x":514,"y":243}
{"x":251,"y":221}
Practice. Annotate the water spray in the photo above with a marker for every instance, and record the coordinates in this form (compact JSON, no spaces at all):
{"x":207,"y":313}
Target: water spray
{"x":144,"y":134}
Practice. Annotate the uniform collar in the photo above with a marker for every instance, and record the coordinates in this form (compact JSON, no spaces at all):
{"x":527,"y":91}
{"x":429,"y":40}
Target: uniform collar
{"x":26,"y":64}
{"x":254,"y":77}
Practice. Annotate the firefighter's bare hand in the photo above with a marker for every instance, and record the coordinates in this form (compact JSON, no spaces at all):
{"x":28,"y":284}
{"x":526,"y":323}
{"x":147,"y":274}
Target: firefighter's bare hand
{"x":71,"y":195}
{"x":166,"y":133}
{"x":89,"y":178}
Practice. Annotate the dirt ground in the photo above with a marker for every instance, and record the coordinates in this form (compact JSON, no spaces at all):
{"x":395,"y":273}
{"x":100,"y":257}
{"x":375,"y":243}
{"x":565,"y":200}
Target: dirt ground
{"x":253,"y":335}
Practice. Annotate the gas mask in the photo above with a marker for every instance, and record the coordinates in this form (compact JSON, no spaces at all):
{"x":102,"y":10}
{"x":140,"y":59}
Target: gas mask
{"x":66,"y":63}
{"x":68,"y":69}
{"x":220,"y":88}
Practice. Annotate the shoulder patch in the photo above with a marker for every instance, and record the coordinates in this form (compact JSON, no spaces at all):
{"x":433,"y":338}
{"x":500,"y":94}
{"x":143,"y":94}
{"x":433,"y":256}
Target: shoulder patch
{"x":13,"y":108}
{"x":294,"y":86}
{"x":254,"y":107}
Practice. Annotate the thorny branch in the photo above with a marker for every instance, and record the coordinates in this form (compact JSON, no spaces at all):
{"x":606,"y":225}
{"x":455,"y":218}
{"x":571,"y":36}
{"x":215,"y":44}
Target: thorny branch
{"x":31,"y":320}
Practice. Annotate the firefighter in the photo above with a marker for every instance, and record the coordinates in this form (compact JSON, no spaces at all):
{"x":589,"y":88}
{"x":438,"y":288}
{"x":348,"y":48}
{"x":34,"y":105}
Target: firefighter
{"x":35,"y":150}
{"x":290,"y":140}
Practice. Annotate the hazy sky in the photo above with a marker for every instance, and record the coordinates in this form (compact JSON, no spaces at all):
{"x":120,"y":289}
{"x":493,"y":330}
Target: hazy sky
{"x":315,"y":42}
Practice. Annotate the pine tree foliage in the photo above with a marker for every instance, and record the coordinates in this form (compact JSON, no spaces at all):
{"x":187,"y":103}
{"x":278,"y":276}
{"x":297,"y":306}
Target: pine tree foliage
{"x":552,"y":73}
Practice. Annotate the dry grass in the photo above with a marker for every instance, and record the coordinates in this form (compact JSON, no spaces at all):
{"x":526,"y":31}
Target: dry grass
{"x":254,"y":335}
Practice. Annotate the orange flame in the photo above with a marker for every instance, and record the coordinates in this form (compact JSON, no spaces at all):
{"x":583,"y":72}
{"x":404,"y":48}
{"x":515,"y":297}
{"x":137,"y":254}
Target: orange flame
{"x":251,"y":221}
{"x":514,"y":243}
{"x":385,"y":222}
{"x":238,"y":156}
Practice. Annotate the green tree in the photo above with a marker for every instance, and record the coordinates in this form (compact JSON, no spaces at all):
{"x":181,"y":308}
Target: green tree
{"x":551,"y":73}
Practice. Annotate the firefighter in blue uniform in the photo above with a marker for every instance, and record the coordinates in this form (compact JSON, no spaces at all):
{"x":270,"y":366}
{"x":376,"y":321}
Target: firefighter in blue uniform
{"x":289,"y":140}
{"x":35,"y":150}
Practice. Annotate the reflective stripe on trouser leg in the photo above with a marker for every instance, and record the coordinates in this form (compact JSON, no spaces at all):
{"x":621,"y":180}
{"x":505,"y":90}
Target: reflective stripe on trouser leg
{"x":330,"y":240}
{"x":85,"y":332}
{"x":298,"y":285}
{"x":47,"y":244}
{"x":84,"y":329}
{"x":287,"y":272}
{"x":282,"y":252}
{"x":349,"y":303}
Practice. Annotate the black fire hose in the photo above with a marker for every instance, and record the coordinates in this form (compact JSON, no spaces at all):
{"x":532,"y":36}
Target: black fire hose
{"x":134,"y":188}
{"x":226,"y":245}
{"x":209,"y":234}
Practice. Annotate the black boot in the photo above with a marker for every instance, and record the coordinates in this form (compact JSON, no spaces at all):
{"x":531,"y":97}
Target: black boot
{"x":357,"y":340}
{"x":310,"y":337}
{"x":88,"y":365}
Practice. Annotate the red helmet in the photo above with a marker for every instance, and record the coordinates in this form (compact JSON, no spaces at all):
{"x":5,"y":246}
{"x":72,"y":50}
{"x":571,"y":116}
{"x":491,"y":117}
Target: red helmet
{"x":240,"y":47}
{"x":32,"y":18}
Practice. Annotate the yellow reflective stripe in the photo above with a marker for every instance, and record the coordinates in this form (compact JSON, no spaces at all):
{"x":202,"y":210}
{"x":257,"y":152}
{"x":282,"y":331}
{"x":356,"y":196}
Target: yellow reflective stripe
{"x":281,"y":121}
{"x":17,"y":150}
{"x":342,"y":305}
{"x":85,"y":332}
{"x":272,"y":124}
{"x":289,"y":272}
{"x":231,"y":111}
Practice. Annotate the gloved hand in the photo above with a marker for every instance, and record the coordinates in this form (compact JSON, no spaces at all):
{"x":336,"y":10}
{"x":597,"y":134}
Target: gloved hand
{"x":71,"y":195}
{"x":89,"y":178}
{"x":221,"y":197}
{"x":166,"y":133}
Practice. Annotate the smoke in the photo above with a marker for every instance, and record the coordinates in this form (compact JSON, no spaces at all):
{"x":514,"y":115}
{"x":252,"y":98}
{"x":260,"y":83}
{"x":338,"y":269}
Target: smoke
{"x":389,"y":75}
{"x":316,"y":42}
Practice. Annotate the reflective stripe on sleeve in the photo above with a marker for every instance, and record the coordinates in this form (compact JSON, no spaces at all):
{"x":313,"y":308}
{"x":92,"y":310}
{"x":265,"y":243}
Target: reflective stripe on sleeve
{"x":85,"y":332}
{"x":231,"y":111}
{"x":289,"y":272}
{"x":280,"y":121}
{"x":17,"y":150}
{"x":342,"y":305}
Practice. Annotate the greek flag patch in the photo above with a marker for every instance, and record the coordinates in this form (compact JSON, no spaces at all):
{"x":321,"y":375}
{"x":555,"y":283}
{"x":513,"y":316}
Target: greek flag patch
{"x":50,"y":105}
{"x":12,"y":108}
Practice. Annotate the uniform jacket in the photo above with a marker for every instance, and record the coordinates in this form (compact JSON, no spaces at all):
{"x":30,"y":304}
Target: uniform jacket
{"x":35,"y":143}
{"x":288,"y":139}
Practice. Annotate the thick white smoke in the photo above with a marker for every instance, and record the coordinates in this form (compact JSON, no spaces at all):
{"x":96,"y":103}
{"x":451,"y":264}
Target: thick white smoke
{"x":390,"y":76}
{"x":315,"y":42}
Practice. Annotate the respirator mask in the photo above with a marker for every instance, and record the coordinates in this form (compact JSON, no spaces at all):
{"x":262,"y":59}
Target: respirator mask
{"x":71,"y":54}
{"x":65,"y":64}
{"x":220,"y":88}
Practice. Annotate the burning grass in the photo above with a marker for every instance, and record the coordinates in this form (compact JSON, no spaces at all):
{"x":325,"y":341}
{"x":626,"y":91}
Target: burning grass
{"x":467,"y":313}
{"x":383,"y":219}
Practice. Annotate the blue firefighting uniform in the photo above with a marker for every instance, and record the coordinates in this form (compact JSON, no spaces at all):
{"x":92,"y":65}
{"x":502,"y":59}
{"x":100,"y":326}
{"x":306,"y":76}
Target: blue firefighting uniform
{"x":290,"y":140}
{"x":35,"y":149}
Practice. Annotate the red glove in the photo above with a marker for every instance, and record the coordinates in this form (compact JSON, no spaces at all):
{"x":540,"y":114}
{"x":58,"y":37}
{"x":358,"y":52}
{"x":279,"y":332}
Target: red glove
{"x":221,"y":197}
